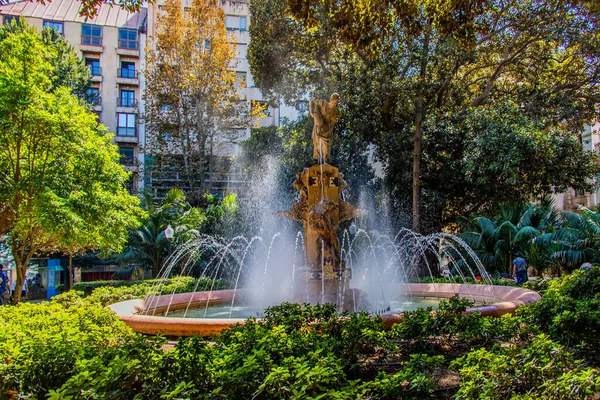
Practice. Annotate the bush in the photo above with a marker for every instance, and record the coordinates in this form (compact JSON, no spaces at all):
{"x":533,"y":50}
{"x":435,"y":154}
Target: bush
{"x":569,"y":312}
{"x":41,"y":343}
{"x":542,"y":370}
{"x":106,"y":295}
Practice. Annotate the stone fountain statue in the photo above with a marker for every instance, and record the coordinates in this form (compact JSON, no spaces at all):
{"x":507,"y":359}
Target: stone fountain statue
{"x":321,"y":210}
{"x":326,"y":116}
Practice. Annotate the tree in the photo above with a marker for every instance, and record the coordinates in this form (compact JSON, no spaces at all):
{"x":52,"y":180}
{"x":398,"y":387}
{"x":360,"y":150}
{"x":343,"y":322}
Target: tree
{"x":147,"y":245}
{"x":68,"y":70}
{"x":403,"y":67}
{"x":61,"y":185}
{"x":191,"y":95}
{"x":512,"y":230}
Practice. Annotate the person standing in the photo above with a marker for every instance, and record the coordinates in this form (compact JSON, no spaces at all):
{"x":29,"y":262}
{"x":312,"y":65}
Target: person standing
{"x":520,"y":270}
{"x":3,"y":282}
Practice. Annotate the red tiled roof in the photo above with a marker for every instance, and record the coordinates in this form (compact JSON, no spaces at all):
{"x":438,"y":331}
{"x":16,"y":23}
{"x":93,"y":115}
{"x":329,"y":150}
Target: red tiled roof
{"x":68,"y":10}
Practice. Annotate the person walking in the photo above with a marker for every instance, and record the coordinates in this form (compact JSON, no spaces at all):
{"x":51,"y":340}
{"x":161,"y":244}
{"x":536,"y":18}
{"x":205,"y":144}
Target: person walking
{"x":520,"y":270}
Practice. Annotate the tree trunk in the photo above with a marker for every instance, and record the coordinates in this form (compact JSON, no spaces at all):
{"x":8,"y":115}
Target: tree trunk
{"x":418,"y":137}
{"x":21,"y":258}
{"x":70,"y":273}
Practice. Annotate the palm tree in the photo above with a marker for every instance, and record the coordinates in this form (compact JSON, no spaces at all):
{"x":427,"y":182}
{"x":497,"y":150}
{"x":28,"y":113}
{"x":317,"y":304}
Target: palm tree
{"x":511,"y":231}
{"x":147,"y":246}
{"x":577,"y":240}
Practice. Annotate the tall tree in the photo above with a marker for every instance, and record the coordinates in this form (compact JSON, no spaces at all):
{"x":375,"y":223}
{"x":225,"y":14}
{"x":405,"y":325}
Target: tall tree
{"x":408,"y":65}
{"x":147,"y":245}
{"x":61,"y":185}
{"x":68,"y":69}
{"x":191,"y":95}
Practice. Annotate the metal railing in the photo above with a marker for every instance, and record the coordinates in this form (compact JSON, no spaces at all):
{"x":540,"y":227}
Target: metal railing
{"x":94,"y":100}
{"x":96,"y":70}
{"x":127,"y":73}
{"x":126,"y":102}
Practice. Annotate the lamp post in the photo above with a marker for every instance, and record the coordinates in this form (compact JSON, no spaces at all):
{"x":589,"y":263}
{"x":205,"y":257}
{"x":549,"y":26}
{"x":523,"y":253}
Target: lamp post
{"x":352,"y":229}
{"x":169,"y":235}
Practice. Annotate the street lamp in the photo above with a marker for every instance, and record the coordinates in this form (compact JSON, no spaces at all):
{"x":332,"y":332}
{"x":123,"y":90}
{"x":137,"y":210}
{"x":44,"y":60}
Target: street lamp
{"x":352,"y":228}
{"x":169,"y":235}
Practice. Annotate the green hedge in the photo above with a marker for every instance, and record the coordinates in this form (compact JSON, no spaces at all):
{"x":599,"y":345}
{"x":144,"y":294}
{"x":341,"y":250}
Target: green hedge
{"x":89,"y":287}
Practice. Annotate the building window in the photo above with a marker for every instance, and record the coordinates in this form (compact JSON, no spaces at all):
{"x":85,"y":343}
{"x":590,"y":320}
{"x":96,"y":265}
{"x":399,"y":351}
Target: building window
{"x":126,"y":125}
{"x":240,"y":79}
{"x":128,"y":39}
{"x":56,"y":25}
{"x":92,"y":96}
{"x":165,"y":136}
{"x":243,"y":25}
{"x":127,"y":70}
{"x":127,"y":155}
{"x":10,"y":18}
{"x":94,"y":66}
{"x":232,"y":22}
{"x":302,"y":106}
{"x":91,"y":34}
{"x":127,"y":98}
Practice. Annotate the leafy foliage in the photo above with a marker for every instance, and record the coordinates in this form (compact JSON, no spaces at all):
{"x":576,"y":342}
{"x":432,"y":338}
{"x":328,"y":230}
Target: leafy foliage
{"x":541,"y":370}
{"x":74,"y":348}
{"x":453,"y":84}
{"x":62,"y":187}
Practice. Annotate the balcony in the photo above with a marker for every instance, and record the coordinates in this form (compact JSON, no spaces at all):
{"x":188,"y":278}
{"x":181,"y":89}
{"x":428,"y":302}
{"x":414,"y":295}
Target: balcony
{"x":126,"y":135}
{"x":126,"y":102}
{"x":96,"y":72}
{"x":129,"y":51}
{"x":95,"y":101}
{"x":126,"y":105}
{"x":127,"y":76}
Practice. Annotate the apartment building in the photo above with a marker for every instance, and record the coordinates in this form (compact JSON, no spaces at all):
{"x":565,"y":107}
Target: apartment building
{"x":112,"y":45}
{"x":573,"y":199}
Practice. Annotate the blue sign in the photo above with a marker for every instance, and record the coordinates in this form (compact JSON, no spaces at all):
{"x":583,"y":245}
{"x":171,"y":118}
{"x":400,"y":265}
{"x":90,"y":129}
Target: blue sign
{"x":52,"y":266}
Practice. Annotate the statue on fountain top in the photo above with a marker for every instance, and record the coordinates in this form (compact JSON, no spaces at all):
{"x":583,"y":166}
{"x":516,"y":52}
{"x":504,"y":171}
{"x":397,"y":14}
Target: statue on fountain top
{"x":325,"y":115}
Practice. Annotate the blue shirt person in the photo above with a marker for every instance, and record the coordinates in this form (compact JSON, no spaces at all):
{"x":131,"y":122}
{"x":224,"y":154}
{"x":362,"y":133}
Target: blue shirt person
{"x":520,"y":270}
{"x":3,"y":281}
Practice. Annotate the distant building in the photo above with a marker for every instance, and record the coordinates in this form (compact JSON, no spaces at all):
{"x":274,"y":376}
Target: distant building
{"x":572,"y":199}
{"x":112,"y":45}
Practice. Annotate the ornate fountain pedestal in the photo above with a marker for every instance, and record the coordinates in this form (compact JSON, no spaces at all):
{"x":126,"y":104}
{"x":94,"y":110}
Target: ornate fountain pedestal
{"x":325,"y":278}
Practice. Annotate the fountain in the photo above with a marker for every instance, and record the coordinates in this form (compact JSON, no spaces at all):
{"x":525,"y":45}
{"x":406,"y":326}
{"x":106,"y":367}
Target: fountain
{"x":325,"y":275}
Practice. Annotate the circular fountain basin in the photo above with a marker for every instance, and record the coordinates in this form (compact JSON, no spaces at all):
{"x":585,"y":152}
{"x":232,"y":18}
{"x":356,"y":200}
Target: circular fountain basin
{"x":145,"y":315}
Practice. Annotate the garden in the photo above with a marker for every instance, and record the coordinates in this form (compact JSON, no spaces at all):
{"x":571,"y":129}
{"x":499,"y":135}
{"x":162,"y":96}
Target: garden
{"x":458,"y":127}
{"x":75,"y":348}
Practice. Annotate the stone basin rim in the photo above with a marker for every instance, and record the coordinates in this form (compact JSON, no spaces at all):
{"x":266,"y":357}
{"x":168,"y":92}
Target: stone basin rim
{"x":496,"y":300}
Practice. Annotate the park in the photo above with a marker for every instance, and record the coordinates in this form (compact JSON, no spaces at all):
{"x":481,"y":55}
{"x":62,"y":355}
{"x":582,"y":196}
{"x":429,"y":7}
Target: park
{"x":418,"y":230}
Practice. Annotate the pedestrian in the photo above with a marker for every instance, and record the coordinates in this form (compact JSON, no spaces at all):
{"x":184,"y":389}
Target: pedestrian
{"x":4,"y":294}
{"x":520,"y":270}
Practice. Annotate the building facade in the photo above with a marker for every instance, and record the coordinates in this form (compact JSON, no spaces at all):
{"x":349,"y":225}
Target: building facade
{"x":112,"y":46}
{"x":572,"y":199}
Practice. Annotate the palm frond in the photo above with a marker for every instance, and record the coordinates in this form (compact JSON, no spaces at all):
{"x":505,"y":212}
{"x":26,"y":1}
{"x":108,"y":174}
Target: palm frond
{"x":486,"y":225}
{"x":526,"y":233}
